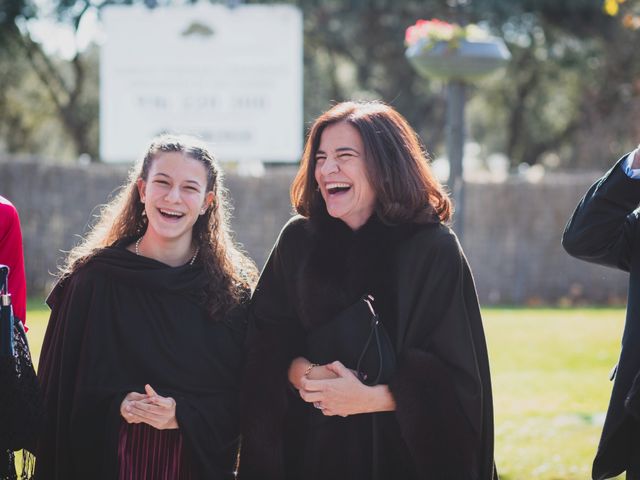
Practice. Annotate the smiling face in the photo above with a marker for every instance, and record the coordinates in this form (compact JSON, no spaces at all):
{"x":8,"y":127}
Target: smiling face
{"x":341,"y":175}
{"x":174,"y":196}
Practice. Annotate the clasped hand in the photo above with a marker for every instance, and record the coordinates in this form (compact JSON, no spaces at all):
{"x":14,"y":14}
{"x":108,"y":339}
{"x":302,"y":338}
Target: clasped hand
{"x":344,"y":395}
{"x":149,"y":408}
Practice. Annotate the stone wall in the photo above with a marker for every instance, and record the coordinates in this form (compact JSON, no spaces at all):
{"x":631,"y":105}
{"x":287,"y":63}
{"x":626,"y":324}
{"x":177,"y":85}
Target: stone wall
{"x":512,"y":238}
{"x":512,"y":229}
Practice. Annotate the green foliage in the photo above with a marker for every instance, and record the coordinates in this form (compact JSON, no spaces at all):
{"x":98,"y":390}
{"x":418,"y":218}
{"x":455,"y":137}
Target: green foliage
{"x":51,"y":104}
{"x":356,"y":51}
{"x":565,"y":96}
{"x":569,"y":96}
{"x":570,"y":89}
{"x":10,"y":10}
{"x":28,"y":117}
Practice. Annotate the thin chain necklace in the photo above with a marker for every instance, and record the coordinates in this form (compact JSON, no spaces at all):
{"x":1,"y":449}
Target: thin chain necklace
{"x":193,"y":259}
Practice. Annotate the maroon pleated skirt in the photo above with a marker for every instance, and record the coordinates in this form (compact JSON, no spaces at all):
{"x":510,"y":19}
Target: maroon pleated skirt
{"x":145,"y":453}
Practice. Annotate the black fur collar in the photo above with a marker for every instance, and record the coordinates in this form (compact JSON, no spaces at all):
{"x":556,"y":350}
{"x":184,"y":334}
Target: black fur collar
{"x":344,"y":264}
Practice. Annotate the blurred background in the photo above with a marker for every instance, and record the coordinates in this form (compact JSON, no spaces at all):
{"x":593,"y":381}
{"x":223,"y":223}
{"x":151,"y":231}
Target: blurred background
{"x":564,"y":108}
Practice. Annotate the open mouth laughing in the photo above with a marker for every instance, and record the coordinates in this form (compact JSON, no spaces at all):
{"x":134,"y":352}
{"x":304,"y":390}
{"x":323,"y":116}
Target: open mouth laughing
{"x":170,"y":214}
{"x":336,"y":188}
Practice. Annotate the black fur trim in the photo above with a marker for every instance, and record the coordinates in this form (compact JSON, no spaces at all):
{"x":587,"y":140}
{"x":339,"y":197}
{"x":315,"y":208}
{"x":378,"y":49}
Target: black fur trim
{"x":431,"y":420}
{"x":344,"y":264}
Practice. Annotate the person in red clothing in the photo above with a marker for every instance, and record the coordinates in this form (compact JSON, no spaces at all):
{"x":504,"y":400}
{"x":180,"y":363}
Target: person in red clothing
{"x":19,"y":403}
{"x":11,"y":254}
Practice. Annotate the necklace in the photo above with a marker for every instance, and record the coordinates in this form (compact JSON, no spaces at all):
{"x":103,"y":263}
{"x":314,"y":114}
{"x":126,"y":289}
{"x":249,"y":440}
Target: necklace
{"x":193,"y":259}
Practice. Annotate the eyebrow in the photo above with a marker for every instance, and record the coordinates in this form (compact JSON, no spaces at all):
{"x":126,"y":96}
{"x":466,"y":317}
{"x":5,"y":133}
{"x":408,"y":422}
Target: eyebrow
{"x":195,"y":182}
{"x":339,"y":149}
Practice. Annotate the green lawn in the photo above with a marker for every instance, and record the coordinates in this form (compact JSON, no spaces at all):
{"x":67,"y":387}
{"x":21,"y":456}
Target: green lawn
{"x":550,"y":381}
{"x":551,"y":387}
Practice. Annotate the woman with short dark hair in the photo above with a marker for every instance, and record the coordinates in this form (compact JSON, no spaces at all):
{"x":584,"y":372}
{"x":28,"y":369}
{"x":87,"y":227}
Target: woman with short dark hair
{"x":372,"y":228}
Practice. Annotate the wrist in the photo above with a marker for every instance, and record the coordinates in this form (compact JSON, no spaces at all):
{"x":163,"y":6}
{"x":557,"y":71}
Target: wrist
{"x":379,"y":399}
{"x":173,"y":424}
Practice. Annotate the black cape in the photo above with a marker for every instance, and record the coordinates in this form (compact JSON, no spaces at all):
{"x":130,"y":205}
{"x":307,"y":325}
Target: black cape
{"x":117,"y":323}
{"x":604,"y":229}
{"x":424,"y":291}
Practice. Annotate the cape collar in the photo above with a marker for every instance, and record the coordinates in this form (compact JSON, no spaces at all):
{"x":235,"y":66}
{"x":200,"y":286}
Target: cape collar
{"x":139,"y":271}
{"x":343,"y":264}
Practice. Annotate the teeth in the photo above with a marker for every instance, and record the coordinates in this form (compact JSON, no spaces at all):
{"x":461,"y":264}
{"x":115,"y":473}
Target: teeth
{"x":169,"y":212}
{"x":336,"y":185}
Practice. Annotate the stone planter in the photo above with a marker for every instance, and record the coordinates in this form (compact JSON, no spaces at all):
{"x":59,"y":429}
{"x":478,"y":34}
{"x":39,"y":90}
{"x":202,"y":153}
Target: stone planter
{"x":468,"y":61}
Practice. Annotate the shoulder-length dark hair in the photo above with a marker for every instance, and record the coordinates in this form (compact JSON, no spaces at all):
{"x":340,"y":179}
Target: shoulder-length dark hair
{"x":230,"y":272}
{"x":396,"y":161}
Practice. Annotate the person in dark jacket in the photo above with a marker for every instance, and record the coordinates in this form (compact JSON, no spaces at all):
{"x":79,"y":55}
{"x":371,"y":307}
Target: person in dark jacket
{"x":372,"y":222}
{"x":142,"y":358}
{"x":604,"y":229}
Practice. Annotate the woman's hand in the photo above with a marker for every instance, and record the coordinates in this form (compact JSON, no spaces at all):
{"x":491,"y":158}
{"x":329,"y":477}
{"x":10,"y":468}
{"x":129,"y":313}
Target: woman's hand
{"x":299,"y":366}
{"x":152,"y":409}
{"x":345,"y":395}
{"x":125,"y":407}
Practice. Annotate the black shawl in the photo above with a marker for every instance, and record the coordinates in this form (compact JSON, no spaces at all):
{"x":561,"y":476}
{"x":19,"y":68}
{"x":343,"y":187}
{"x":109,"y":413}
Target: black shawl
{"x":117,"y":323}
{"x":443,"y":426}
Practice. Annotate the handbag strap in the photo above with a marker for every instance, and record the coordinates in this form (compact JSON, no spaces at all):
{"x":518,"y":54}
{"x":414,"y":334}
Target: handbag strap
{"x":4,"y":279}
{"x":236,"y":466}
{"x":6,"y":315}
{"x":373,"y":334}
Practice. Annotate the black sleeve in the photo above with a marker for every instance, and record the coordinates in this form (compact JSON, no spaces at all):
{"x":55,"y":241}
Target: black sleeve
{"x":57,"y":374}
{"x":275,"y":338}
{"x":442,"y":387}
{"x":604,"y":225}
{"x":210,"y":423}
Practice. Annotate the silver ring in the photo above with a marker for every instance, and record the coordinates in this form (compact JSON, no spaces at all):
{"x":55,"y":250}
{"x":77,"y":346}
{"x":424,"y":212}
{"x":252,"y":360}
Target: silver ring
{"x":317,"y":405}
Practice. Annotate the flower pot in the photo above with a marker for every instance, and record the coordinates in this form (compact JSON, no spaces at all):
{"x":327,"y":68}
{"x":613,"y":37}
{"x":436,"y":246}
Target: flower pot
{"x":468,"y":60}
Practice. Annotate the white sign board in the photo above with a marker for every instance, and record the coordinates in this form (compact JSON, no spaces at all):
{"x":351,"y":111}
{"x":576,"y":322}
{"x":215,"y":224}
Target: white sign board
{"x":231,"y":76}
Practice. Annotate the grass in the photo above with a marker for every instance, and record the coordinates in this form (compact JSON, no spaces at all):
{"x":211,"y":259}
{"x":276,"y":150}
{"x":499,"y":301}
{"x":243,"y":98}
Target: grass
{"x":550,"y":372}
{"x":37,"y":318}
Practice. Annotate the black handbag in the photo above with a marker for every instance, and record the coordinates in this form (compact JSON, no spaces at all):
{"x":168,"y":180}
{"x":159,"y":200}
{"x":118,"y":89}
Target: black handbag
{"x":21,"y":407}
{"x":357,"y":338}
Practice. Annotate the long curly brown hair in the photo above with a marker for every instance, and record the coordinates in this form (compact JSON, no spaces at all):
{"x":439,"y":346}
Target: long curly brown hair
{"x":231,"y":273}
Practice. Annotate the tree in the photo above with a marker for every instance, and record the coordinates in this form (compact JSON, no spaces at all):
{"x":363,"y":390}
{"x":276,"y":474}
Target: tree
{"x":565,"y":95}
{"x":570,"y":89}
{"x":570,"y":93}
{"x":70,"y":86}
